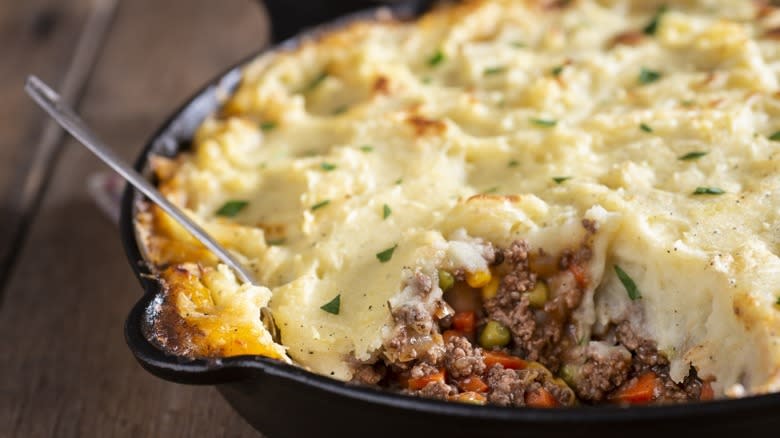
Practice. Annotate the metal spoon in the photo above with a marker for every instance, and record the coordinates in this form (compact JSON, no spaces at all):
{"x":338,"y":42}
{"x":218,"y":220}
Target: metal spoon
{"x":50,"y":101}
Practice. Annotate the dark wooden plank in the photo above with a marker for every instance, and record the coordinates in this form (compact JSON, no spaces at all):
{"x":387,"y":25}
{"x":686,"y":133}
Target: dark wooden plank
{"x":64,"y":367}
{"x":58,"y":41}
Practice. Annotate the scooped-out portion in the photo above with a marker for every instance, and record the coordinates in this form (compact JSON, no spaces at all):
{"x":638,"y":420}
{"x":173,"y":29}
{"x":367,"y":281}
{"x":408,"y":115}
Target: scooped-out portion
{"x":520,"y":203}
{"x":516,"y":332}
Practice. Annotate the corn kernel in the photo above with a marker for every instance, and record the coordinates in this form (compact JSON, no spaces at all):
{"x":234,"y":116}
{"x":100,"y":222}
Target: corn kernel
{"x":478,"y":279}
{"x":491,"y":289}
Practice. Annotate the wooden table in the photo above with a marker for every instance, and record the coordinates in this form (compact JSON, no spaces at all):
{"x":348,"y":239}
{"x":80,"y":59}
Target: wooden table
{"x":66,"y":285}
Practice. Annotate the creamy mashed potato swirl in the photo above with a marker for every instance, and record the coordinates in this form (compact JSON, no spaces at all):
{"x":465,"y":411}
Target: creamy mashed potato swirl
{"x":387,"y":148}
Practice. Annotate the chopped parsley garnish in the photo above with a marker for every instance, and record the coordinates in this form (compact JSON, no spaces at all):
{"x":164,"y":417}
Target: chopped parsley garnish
{"x":340,"y":110}
{"x":645,"y":127}
{"x":320,"y":204}
{"x":708,"y":191}
{"x":327,"y":167}
{"x":777,"y":303}
{"x":652,"y":26}
{"x":494,"y":70}
{"x":333,"y":306}
{"x":775,"y":136}
{"x":517,"y":44}
{"x":557,"y":70}
{"x":560,"y":179}
{"x":367,"y":148}
{"x":436,"y":58}
{"x":513,"y":163}
{"x":628,"y":283}
{"x":544,"y":122}
{"x":695,"y":155}
{"x":399,"y":181}
{"x":427,"y":80}
{"x":386,"y":211}
{"x":267,"y":126}
{"x":231,"y":208}
{"x":647,"y":76}
{"x":317,"y":81}
{"x":276,"y":242}
{"x":386,"y":255}
{"x":493,"y":189}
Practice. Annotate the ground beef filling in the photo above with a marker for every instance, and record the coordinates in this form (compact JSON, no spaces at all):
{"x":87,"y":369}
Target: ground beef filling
{"x":508,"y":339}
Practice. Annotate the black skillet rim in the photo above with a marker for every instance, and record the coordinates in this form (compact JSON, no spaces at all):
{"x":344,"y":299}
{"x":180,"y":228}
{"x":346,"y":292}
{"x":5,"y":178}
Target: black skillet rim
{"x":238,"y":368}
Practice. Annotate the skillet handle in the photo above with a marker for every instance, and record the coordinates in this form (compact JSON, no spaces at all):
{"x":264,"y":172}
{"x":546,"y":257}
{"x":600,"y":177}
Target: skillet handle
{"x":289,"y":17}
{"x":180,"y":370}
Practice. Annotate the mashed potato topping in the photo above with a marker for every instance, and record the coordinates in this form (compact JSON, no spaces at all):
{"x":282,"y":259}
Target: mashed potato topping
{"x":348,"y":166}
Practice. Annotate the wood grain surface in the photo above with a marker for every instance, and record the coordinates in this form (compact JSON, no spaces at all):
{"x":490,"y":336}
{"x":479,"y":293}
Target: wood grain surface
{"x":64,"y":367}
{"x":42,"y":37}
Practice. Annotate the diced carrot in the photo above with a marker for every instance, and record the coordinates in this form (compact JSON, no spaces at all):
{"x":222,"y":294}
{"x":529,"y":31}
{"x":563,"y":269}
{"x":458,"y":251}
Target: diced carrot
{"x":449,"y":334}
{"x":464,"y":322}
{"x":706,"y":392}
{"x":540,"y":398}
{"x":510,"y":362}
{"x":473,"y":384}
{"x":416,"y":383}
{"x":470,"y":397}
{"x":580,"y":275}
{"x":638,"y":391}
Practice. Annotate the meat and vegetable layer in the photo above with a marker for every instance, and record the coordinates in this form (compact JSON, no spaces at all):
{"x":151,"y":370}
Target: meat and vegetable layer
{"x":509,"y":202}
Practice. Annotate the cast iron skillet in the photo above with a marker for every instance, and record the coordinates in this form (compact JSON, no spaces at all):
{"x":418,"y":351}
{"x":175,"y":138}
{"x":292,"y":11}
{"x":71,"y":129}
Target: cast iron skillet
{"x":281,"y":400}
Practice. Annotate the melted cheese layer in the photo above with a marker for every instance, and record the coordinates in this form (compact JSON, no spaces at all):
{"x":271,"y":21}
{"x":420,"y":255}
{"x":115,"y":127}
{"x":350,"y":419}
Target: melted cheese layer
{"x":510,"y":120}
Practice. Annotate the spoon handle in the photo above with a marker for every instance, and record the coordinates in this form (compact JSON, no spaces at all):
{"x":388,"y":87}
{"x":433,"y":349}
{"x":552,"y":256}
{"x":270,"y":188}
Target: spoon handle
{"x":50,"y":101}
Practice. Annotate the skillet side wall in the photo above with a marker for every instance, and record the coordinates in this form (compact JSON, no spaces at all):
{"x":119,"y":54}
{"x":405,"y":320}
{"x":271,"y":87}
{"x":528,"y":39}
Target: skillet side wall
{"x":284,"y":408}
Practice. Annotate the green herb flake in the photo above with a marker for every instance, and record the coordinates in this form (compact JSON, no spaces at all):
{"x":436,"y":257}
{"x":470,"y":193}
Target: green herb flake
{"x":327,"y":167}
{"x":436,"y":58}
{"x":777,"y":303}
{"x":267,"y":126}
{"x":695,"y":155}
{"x":320,"y":204}
{"x":427,"y":80}
{"x":316,"y":82}
{"x":557,"y":70}
{"x":544,"y":122}
{"x":231,"y":208}
{"x":386,"y":211}
{"x":560,"y":179}
{"x":517,"y":44}
{"x":708,"y":191}
{"x":386,"y":255}
{"x":645,"y":127}
{"x":367,"y":148}
{"x":340,"y":110}
{"x":276,"y":242}
{"x":494,"y":70}
{"x":333,"y":306}
{"x":652,"y":26}
{"x":399,"y":181}
{"x":775,"y":136}
{"x":628,"y":283}
{"x":493,"y":189}
{"x":647,"y":76}
{"x":513,"y":163}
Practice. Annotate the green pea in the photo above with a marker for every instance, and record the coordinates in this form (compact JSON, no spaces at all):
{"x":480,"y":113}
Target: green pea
{"x":446,"y":280}
{"x":568,"y":373}
{"x":494,"y":335}
{"x":538,"y":295}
